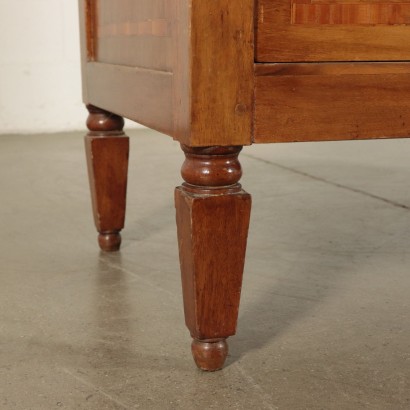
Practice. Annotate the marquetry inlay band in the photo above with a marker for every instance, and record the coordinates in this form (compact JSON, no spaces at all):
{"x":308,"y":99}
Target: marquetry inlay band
{"x":157,"y":28}
{"x":317,"y":13}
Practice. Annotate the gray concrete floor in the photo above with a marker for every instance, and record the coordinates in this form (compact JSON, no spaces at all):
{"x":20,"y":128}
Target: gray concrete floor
{"x":324,"y":321}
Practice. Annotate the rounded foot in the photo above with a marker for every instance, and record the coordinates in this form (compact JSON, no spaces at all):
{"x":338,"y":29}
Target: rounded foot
{"x":109,"y":242}
{"x":210,"y":356}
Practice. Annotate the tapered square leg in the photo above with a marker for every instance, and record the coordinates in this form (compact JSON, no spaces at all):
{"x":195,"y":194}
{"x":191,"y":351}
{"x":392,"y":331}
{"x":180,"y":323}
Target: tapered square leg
{"x":107,"y":150}
{"x":212,"y":218}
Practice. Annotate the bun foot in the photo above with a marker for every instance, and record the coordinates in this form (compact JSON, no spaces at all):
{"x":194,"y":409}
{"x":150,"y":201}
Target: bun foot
{"x":109,"y":242}
{"x":210,"y":356}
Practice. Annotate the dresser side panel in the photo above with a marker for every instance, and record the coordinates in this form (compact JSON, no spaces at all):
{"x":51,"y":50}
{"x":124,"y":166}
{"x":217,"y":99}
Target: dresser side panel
{"x":208,"y":68}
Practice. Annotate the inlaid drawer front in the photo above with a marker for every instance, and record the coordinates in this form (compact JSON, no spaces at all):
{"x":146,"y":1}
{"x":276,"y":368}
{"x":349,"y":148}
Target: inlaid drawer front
{"x":341,"y":12}
{"x":332,"y":30}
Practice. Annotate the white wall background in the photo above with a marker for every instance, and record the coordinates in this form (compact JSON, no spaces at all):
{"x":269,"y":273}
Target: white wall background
{"x":40,"y":78}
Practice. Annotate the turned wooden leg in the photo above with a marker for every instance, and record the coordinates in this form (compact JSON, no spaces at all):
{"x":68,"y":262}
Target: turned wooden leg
{"x":107,"y":149}
{"x":212,"y":214}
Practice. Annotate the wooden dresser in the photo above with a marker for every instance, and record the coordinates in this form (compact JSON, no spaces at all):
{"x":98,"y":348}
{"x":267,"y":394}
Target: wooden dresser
{"x":218,"y":75}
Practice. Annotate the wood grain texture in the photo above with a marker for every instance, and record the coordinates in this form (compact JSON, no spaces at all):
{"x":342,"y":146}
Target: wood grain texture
{"x":331,"y":69}
{"x":212,"y":215}
{"x":139,"y":88}
{"x":364,"y":13}
{"x":181,"y":83}
{"x":85,"y":40}
{"x":217,"y":61}
{"x":198,"y":60}
{"x":90,"y":21}
{"x":212,"y":233}
{"x":107,"y":151}
{"x":142,"y":95}
{"x":278,"y":40}
{"x":135,"y":33}
{"x":209,"y":356}
{"x":317,"y":102}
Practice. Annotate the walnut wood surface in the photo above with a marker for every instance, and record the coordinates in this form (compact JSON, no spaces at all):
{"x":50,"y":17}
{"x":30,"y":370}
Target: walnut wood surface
{"x":212,"y":219}
{"x":317,"y":102}
{"x":341,"y":12}
{"x":278,"y":40}
{"x":133,"y":93}
{"x":209,"y":356}
{"x":221,"y":99}
{"x":107,"y":150}
{"x":207,"y":92}
{"x":159,"y":63}
{"x":135,"y":33}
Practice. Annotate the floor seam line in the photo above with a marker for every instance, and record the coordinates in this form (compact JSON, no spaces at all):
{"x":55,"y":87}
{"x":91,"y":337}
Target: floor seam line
{"x":326,"y":181}
{"x":143,"y":279}
{"x":96,"y":388}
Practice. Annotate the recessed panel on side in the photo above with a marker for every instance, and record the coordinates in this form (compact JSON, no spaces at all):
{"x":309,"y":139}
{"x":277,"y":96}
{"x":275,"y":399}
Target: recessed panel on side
{"x":133,"y":33}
